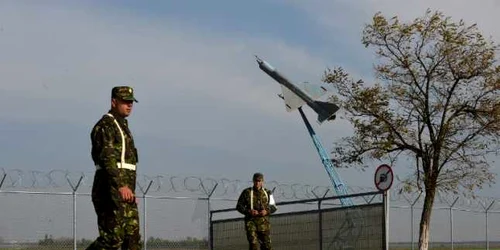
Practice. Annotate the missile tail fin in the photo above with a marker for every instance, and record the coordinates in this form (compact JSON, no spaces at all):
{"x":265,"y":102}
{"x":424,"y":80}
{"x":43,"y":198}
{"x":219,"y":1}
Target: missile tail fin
{"x":325,"y":110}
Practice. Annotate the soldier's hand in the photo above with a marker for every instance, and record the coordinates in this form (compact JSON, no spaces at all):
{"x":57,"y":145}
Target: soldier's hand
{"x":263,"y":212}
{"x":254,"y":212}
{"x":126,"y":194}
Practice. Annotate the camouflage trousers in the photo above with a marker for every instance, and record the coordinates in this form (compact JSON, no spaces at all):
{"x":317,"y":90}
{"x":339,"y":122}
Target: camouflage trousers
{"x":256,"y":237}
{"x":118,"y":228}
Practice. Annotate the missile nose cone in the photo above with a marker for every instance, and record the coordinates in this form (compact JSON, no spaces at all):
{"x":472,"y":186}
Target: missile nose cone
{"x":264,"y":64}
{"x":268,"y":66}
{"x":258,"y":59}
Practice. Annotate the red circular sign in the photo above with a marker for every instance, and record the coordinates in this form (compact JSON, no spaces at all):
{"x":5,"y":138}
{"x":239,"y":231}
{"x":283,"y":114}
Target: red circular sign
{"x":383,"y":177}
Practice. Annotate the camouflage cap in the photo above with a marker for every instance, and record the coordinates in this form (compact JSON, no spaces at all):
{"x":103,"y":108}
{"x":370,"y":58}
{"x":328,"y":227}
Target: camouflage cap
{"x":125,"y":93}
{"x":258,"y":176}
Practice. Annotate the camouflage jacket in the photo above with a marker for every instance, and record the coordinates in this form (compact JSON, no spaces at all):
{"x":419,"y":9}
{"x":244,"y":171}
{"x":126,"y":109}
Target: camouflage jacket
{"x":106,"y":153}
{"x":260,"y":202}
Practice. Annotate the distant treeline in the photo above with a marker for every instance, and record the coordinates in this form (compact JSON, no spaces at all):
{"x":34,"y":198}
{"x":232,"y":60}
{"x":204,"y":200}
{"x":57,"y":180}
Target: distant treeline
{"x":194,"y":243}
{"x":186,"y":243}
{"x":189,"y":242}
{"x":447,"y":245}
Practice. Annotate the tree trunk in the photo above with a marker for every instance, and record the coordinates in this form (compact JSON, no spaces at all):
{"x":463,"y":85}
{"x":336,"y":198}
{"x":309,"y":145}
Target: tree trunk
{"x":423,"y":240}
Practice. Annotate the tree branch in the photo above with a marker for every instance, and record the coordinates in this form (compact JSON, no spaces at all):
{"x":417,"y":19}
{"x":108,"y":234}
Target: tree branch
{"x":460,"y":145}
{"x":444,"y":124}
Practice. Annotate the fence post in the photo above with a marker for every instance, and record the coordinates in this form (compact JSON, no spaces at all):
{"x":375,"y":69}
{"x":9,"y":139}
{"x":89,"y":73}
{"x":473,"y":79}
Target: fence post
{"x":451,"y":222}
{"x":320,"y":217}
{"x":209,"y":217}
{"x":386,"y":198}
{"x":144,"y":213}
{"x":74,"y":188}
{"x":211,"y":233}
{"x":486,"y":210}
{"x":412,"y":205}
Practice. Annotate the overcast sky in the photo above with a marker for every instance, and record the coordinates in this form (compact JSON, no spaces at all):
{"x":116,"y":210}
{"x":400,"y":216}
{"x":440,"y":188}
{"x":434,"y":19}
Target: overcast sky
{"x":204,"y":107}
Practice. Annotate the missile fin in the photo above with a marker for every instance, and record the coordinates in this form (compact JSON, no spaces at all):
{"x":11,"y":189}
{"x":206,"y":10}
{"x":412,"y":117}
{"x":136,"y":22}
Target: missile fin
{"x":292,"y":101}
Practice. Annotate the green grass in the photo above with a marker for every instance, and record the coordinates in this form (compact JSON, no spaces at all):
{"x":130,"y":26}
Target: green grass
{"x":71,"y":248}
{"x":448,"y":248}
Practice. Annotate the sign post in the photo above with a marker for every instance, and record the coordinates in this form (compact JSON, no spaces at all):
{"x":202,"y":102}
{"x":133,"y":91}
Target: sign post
{"x":383,"y":182}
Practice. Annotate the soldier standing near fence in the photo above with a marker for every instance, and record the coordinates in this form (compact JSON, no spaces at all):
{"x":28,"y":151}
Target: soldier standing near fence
{"x":257,"y":203}
{"x":113,"y":191}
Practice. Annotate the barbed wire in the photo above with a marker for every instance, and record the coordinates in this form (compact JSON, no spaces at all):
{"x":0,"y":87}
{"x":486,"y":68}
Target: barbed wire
{"x":195,"y":186}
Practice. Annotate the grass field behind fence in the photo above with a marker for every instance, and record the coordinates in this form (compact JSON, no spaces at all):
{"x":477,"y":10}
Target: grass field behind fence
{"x":71,"y":248}
{"x":439,"y":246}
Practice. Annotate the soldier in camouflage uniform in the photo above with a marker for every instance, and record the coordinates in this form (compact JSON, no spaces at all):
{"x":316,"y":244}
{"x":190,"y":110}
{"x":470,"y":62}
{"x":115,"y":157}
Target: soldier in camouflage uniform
{"x":113,"y":191}
{"x":256,"y":203}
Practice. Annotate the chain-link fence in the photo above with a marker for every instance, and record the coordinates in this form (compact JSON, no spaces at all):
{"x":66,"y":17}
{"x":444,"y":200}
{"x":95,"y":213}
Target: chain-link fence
{"x":53,"y":210}
{"x":320,"y":223}
{"x":457,"y":222}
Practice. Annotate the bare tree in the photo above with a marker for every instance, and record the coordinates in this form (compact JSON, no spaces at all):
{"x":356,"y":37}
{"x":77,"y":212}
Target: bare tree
{"x":436,"y":98}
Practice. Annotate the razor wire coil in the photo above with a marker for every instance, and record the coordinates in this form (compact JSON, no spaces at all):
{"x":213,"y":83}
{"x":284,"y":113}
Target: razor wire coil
{"x":196,"y":186}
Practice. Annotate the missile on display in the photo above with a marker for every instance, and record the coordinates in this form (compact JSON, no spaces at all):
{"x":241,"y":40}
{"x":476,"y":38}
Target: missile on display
{"x":296,"y":97}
